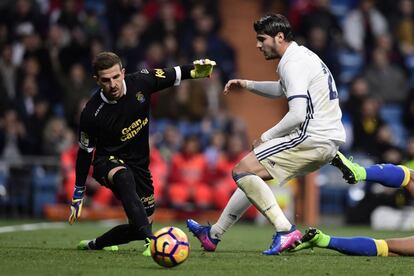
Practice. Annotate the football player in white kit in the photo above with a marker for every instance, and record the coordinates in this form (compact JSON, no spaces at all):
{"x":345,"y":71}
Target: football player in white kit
{"x":306,"y":138}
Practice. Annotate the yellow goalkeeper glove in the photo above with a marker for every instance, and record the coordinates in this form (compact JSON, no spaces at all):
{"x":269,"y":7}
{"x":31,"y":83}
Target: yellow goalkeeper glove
{"x":76,"y":205}
{"x":202,"y":68}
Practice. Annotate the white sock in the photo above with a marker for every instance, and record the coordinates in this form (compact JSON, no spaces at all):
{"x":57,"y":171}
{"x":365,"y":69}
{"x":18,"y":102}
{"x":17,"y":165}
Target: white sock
{"x":260,"y":194}
{"x":235,"y":208}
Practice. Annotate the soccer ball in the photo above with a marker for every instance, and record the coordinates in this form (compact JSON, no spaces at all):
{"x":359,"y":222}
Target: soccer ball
{"x":170,"y":246}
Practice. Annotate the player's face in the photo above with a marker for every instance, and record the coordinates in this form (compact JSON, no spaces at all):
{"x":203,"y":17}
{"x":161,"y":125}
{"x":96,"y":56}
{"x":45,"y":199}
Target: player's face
{"x":271,"y":47}
{"x":267,"y":45}
{"x":111,"y":81}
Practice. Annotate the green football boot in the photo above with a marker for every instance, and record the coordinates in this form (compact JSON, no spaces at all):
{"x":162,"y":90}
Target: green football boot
{"x":147,"y":250}
{"x":352,"y":172}
{"x":312,"y":238}
{"x":84,"y":245}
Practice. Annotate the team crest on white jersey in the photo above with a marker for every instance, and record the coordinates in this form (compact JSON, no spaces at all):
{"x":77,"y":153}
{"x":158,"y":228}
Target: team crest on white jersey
{"x":140,"y":97}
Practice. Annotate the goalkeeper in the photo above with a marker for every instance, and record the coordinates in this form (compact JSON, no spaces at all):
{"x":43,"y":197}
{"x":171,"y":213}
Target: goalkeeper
{"x":113,"y":136}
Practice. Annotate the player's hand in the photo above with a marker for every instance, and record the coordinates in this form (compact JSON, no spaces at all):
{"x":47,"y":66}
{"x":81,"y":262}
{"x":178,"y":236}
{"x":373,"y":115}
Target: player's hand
{"x":202,"y":68}
{"x":236,"y":83}
{"x":76,"y":205}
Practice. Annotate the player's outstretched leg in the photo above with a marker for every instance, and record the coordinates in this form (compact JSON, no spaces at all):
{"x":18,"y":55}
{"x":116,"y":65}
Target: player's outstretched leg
{"x":389,"y":175}
{"x":283,"y":241}
{"x":90,"y":245}
{"x":120,"y":234}
{"x":202,"y":233}
{"x":355,"y":246}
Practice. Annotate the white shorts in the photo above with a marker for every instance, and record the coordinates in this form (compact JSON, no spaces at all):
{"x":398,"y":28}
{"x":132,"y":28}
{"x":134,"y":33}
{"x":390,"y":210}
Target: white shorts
{"x":291,"y":156}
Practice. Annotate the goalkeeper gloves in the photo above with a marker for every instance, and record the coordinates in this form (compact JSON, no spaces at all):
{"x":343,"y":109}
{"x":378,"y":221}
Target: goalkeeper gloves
{"x":76,"y":205}
{"x":202,"y":68}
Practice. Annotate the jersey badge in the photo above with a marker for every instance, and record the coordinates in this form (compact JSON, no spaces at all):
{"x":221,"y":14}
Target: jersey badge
{"x":159,"y":73}
{"x":140,"y":97}
{"x":144,"y":71}
{"x":84,"y":139}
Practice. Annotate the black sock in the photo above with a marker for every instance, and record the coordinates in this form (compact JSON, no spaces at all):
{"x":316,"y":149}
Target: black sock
{"x":147,"y":230}
{"x":120,"y":234}
{"x":92,"y":245}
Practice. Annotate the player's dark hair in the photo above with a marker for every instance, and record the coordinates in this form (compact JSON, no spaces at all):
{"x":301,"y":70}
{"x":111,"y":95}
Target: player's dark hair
{"x":272,"y":24}
{"x":105,"y":60}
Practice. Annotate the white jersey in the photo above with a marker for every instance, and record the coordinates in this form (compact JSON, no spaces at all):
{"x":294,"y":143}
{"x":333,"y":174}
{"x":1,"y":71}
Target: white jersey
{"x":304,"y":75}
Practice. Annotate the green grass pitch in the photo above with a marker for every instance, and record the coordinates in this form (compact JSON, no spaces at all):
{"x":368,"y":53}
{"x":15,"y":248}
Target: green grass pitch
{"x":52,"y":252}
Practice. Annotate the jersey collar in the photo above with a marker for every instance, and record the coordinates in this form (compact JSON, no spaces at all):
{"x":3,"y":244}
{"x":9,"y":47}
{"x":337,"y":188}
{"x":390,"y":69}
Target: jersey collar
{"x":105,"y":99}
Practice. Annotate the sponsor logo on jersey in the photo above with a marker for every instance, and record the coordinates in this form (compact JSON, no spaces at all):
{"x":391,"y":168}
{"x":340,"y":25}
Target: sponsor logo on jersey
{"x":131,"y":131}
{"x":272,"y":163}
{"x":140,"y":97}
{"x":159,"y":73}
{"x":144,"y":71}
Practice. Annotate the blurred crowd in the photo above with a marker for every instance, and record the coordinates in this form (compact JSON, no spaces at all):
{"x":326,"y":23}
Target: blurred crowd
{"x":46,"y":47}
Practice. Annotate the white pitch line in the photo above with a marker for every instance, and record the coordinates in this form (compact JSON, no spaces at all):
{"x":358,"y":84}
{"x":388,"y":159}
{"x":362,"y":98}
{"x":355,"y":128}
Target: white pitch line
{"x":32,"y":227}
{"x":50,"y":225}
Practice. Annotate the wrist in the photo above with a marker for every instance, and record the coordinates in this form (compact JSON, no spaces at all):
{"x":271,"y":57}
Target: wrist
{"x":79,"y":192}
{"x":186,"y":71}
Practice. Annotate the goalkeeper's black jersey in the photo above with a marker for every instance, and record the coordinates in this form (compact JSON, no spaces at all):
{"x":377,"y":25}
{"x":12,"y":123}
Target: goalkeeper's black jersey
{"x":121,"y":128}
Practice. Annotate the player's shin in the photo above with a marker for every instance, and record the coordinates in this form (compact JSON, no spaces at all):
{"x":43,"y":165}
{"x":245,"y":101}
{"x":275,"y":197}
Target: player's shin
{"x":389,"y":175}
{"x":359,"y":246}
{"x":120,"y":234}
{"x":260,"y":194}
{"x":235,"y":208}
